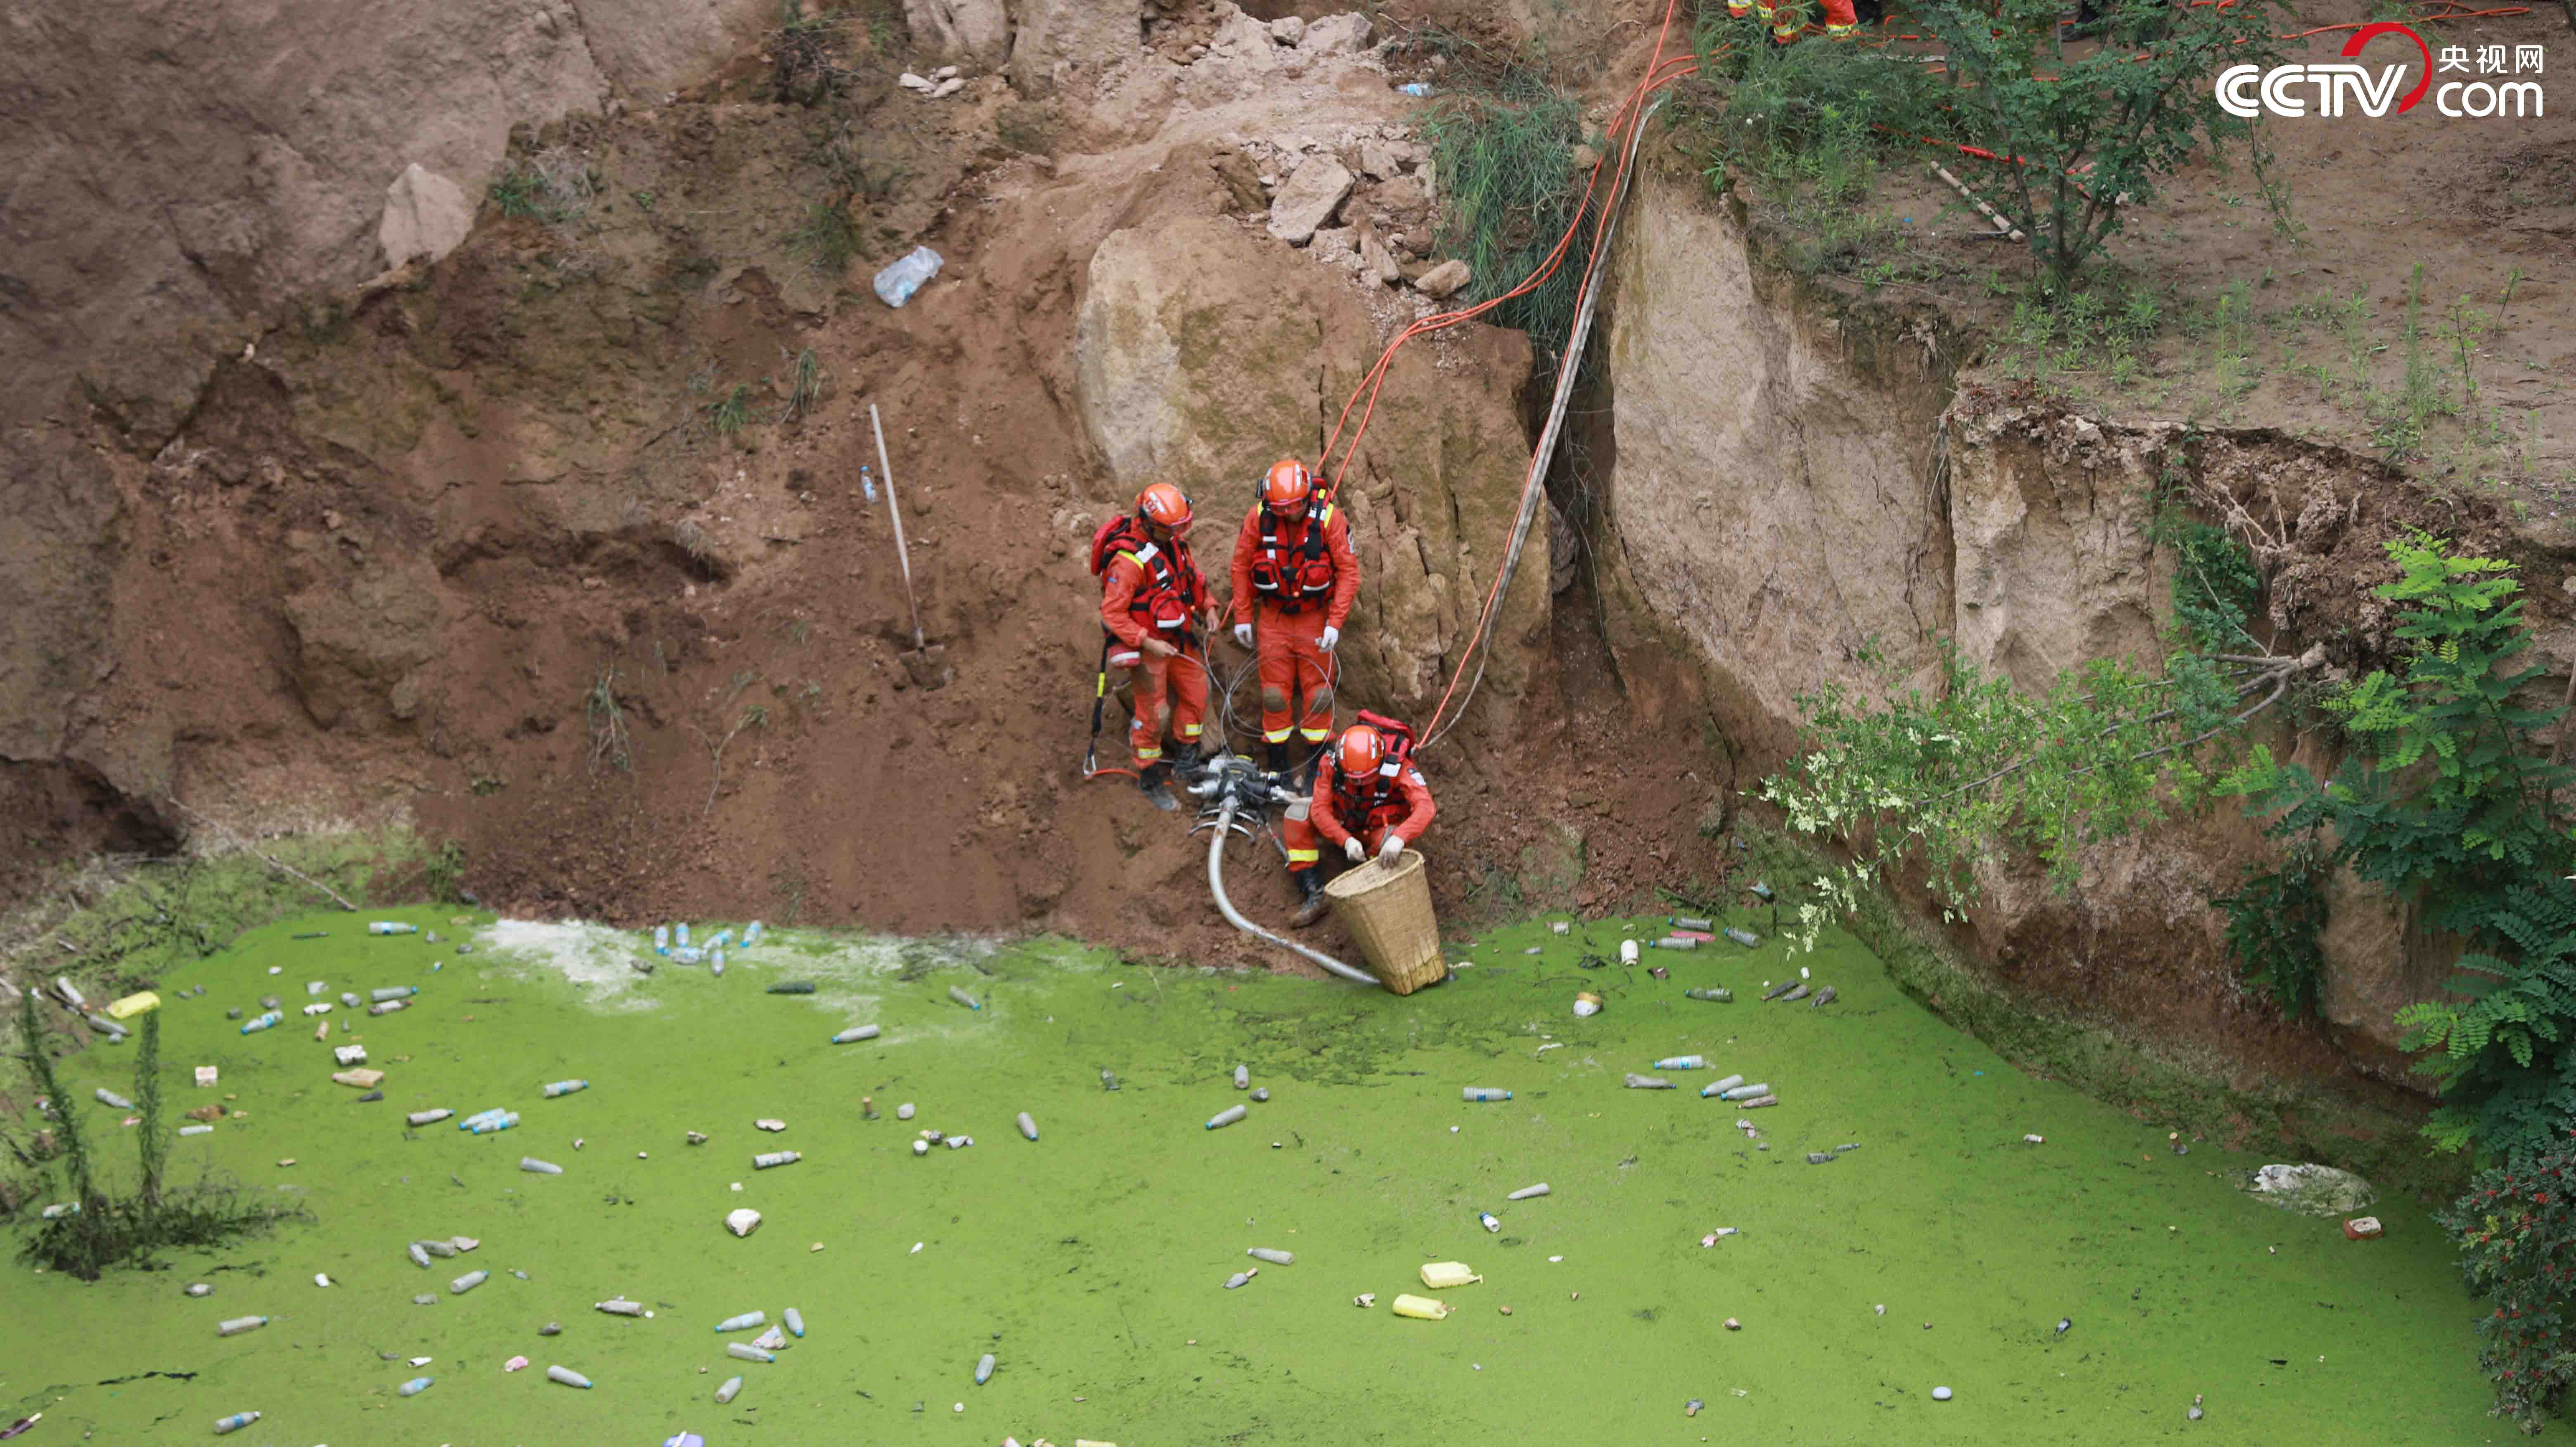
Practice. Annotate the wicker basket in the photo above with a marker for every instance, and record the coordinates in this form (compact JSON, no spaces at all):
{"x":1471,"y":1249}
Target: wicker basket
{"x":1387,"y":909}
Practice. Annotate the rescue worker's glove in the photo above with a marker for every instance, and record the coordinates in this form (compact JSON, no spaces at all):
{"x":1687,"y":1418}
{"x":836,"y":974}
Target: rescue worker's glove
{"x":1354,"y":850}
{"x":1243,"y":635}
{"x":1331,"y":637}
{"x":1393,"y":846}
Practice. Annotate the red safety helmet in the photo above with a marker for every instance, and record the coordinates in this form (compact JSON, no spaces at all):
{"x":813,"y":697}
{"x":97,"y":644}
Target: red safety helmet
{"x":1362,"y":750}
{"x":1288,"y":486}
{"x":1164,"y":506}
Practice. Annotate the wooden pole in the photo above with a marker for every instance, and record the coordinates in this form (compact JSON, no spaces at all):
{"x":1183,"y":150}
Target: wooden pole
{"x":902,"y":554}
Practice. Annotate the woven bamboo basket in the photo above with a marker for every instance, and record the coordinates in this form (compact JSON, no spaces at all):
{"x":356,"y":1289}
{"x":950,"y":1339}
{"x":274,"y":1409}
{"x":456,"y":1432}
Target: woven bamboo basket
{"x":1387,"y":909}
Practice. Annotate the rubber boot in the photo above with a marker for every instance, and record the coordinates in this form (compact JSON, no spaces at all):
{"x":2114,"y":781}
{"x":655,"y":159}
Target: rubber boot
{"x":1274,"y":757}
{"x":1186,"y":761}
{"x":1305,"y":781}
{"x":1311,"y":904}
{"x":1156,"y":782}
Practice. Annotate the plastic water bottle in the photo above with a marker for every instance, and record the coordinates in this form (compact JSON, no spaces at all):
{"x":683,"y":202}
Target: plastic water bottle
{"x":1028,"y":1125}
{"x":428,"y":1117}
{"x":661,"y":939}
{"x":855,"y":1034}
{"x":984,"y":1369}
{"x":795,"y":1322}
{"x":393,"y":992}
{"x":749,"y":1353}
{"x":383,"y":1007}
{"x":1489,"y":1220}
{"x":1716,"y":993}
{"x":269,"y":1021}
{"x":565,"y":1087}
{"x":415,"y":1386}
{"x":568,"y":1377}
{"x":235,"y":1422}
{"x":962,"y":998}
{"x":419,"y":1255}
{"x":240,"y":1324}
{"x":717,"y":965}
{"x":727,"y":1392}
{"x":110,"y":1098}
{"x":619,"y":1306}
{"x":896,"y":284}
{"x":1273,"y":1255}
{"x":1682,"y":1062}
{"x":766,"y":1159}
{"x":1743,"y":936}
{"x":684,"y":954}
{"x":868,"y":481}
{"x":1417,"y":89}
{"x":751,"y":935}
{"x":1746,"y":1092}
{"x":1243,"y":1077}
{"x":744,"y":1322}
{"x":1635,"y":1081}
{"x":536,"y":1167}
{"x":680,"y":932}
{"x":1484,"y":1092}
{"x":468,"y":1282}
{"x":720,"y":938}
{"x":1526,"y":1192}
{"x":187,"y":1130}
{"x":478,"y":1117}
{"x":501,"y":1122}
{"x":1627,"y":952}
{"x":391,"y":927}
{"x":1228,"y":1116}
{"x":1239,"y":1278}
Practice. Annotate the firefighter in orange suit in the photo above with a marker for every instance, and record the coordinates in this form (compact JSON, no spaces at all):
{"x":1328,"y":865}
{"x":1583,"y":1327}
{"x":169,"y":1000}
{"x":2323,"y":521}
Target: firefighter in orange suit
{"x":1369,"y":798}
{"x":1152,"y":594}
{"x":1294,"y":579}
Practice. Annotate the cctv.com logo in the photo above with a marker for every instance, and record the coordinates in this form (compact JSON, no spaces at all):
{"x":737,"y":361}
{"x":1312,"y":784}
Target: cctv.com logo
{"x":2298,"y":91}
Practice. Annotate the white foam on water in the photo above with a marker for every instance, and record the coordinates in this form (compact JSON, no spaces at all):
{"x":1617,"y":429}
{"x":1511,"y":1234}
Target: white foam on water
{"x":593,"y":956}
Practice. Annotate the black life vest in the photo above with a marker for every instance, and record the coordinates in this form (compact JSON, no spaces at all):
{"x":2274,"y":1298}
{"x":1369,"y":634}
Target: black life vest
{"x":1169,"y":597}
{"x":1373,"y":800}
{"x":1291,"y":576}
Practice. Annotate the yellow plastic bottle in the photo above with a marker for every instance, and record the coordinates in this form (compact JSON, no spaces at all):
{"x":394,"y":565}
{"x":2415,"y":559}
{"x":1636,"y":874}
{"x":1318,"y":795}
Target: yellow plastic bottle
{"x":133,"y":1005}
{"x":1441,"y":1274}
{"x":1421,"y":1308}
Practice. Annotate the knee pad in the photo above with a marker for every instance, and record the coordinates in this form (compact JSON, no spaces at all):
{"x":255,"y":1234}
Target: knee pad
{"x":1273,"y":699}
{"x":1320,"y":699}
{"x":1298,"y":810}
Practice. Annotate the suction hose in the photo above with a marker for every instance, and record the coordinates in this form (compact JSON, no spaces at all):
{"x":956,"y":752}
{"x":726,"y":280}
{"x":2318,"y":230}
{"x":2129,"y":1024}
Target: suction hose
{"x":1216,"y":886}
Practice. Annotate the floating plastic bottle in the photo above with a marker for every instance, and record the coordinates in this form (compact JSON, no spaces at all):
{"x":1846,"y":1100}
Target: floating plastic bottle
{"x":114,"y":1032}
{"x":1239,"y":1278}
{"x":684,"y":955}
{"x":536,"y":1167}
{"x":393,"y":992}
{"x":1243,"y":1077}
{"x":1273,"y":1255}
{"x":720,"y":939}
{"x":391,"y":927}
{"x":415,"y":1386}
{"x":235,"y":1422}
{"x":419,"y":1255}
{"x":1421,"y":1308}
{"x":1635,"y":1081}
{"x":565,"y":1087}
{"x":1108,"y":1080}
{"x":1825,"y":996}
{"x":767,"y":1159}
{"x":751,"y":936}
{"x":350,"y":999}
{"x":240,"y":1324}
{"x":1228,"y":1116}
{"x":1747,"y":1092}
{"x":731,"y":1389}
{"x":715,"y":962}
{"x":795,"y":1322}
{"x":661,"y":939}
{"x":495,"y":1113}
{"x":744,"y":1322}
{"x":958,"y":1142}
{"x":897,"y":283}
{"x":501,"y":1122}
{"x":1683,"y":921}
{"x":1761,"y":891}
{"x":1028,"y":1126}
{"x":792,"y":987}
{"x":1484,"y":1093}
{"x":468,"y":1282}
{"x":619,"y":1306}
{"x":386,"y":1007}
{"x":715,"y":966}
{"x":962,"y":998}
{"x":1716,"y":994}
{"x":1489,"y":1220}
{"x":1677,"y":942}
{"x":1743,"y":936}
{"x":568,"y":1377}
{"x":680,"y":933}
{"x":1627,"y":952}
{"x":1682,"y":1062}
{"x":443,"y":1248}
{"x":749,"y":1353}
{"x":983,"y":1369}
{"x":269,"y":1021}
{"x":1261,"y":1094}
{"x":196,"y":1130}
{"x":1526,"y":1192}
{"x":1759,"y":1101}
{"x":428,"y":1117}
{"x":110,"y":1098}
{"x":855,"y":1034}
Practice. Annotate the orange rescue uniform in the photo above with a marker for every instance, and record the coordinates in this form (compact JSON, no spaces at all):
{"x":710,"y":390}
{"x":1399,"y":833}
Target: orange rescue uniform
{"x":1289,"y":618}
{"x":1175,"y":688}
{"x":1368,"y":809}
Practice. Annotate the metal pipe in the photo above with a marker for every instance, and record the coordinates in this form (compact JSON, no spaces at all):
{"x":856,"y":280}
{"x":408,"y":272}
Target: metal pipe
{"x":1225,"y":906}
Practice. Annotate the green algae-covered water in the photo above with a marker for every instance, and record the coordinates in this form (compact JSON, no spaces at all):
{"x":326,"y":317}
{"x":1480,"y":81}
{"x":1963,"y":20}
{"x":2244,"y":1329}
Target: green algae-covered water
{"x":1091,"y":1263}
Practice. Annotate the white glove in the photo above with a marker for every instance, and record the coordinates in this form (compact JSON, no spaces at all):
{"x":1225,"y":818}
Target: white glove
{"x":1243,"y":635}
{"x":1331,"y":637}
{"x":1354,"y":850}
{"x":1393,"y":846}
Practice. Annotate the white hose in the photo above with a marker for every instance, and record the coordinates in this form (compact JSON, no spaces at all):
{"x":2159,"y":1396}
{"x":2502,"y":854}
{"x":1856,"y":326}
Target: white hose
{"x":1216,"y":886}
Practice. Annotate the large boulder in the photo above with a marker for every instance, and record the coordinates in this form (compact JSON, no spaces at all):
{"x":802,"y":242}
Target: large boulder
{"x":1308,"y":199}
{"x":1203,"y":354}
{"x":972,"y":32}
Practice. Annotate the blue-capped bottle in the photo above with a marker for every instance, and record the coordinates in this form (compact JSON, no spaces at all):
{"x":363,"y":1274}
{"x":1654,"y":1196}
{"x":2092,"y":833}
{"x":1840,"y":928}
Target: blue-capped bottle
{"x":661,"y":939}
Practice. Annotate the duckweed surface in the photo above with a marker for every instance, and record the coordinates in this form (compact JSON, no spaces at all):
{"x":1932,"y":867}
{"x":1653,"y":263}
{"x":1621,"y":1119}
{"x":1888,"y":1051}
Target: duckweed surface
{"x":1091,"y":1263}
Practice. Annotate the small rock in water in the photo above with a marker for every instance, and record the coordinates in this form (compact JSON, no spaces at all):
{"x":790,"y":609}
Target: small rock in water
{"x":2193,"y":1414}
{"x":552,"y":1328}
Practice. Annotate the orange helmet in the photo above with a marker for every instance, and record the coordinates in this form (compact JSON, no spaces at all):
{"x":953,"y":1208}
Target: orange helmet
{"x":1363,"y":749}
{"x":1164,"y":505}
{"x":1288,"y":485}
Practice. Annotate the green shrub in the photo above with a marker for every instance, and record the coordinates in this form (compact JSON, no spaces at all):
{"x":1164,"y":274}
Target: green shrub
{"x":2516,"y":1231}
{"x":1505,"y":160}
